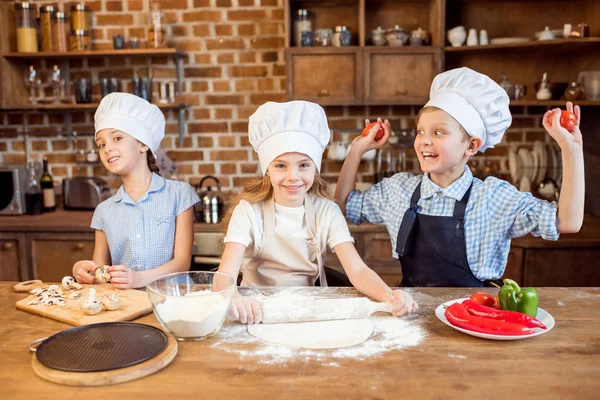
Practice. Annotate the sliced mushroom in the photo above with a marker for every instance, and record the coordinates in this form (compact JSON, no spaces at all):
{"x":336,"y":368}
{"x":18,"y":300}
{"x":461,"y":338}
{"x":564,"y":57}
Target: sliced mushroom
{"x":91,"y":306}
{"x":111,"y":300}
{"x":75,"y":295}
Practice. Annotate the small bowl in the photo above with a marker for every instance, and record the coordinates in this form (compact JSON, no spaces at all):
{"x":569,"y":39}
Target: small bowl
{"x":556,"y":88}
{"x":192,"y":305}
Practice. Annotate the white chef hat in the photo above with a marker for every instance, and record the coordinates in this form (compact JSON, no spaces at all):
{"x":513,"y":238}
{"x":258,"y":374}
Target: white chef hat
{"x":295,"y":126}
{"x":132,"y":115}
{"x":478,"y":103}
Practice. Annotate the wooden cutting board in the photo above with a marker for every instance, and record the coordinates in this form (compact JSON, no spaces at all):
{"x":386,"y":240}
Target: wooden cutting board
{"x":133,"y":304}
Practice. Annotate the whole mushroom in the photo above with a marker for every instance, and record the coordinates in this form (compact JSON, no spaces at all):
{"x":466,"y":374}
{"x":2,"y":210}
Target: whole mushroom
{"x":111,"y":300}
{"x":91,"y":306}
{"x":69,"y":283}
{"x":102,"y":275}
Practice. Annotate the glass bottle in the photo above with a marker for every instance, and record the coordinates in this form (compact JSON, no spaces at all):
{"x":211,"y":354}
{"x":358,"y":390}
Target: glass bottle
{"x":47,"y":184}
{"x":26,"y":27}
{"x":33,"y":194}
{"x":59,"y":32}
{"x":156,"y":32}
{"x":302,"y":25}
{"x":46,"y":12}
{"x":80,"y":17}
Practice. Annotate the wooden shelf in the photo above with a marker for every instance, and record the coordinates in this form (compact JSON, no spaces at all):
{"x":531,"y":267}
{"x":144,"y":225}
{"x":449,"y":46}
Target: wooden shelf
{"x":552,"y":103}
{"x":527,"y":45}
{"x":168,"y":52}
{"x":78,"y":107}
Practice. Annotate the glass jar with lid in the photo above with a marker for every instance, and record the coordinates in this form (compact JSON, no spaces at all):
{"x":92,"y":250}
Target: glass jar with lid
{"x":26,"y":27}
{"x":46,"y":12}
{"x":59,"y":32}
{"x":342,"y":36}
{"x":156,"y":31}
{"x":80,"y":40}
{"x":80,"y":17}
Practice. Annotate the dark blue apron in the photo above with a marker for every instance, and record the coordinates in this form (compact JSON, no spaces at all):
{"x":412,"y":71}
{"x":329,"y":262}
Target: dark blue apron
{"x":432,"y":249}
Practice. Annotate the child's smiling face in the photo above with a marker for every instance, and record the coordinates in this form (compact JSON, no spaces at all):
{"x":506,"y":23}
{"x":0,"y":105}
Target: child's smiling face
{"x":442,"y":146}
{"x":291,"y":175}
{"x":119,"y":152}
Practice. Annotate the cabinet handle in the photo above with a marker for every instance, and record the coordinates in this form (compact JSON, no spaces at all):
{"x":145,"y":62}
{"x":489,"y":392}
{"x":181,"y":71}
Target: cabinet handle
{"x":401,"y":92}
{"x":79,"y":246}
{"x":7,"y":246}
{"x":323,"y":92}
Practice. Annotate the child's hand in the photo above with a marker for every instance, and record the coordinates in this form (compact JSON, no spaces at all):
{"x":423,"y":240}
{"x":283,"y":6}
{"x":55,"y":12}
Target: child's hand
{"x":245,"y":309}
{"x":563,"y":137}
{"x":122,"y":277}
{"x":362,"y":144}
{"x":403,"y":303}
{"x":83,"y":271}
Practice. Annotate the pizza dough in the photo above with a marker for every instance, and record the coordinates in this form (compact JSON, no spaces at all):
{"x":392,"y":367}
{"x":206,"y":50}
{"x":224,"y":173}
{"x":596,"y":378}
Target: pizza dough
{"x":315,"y":335}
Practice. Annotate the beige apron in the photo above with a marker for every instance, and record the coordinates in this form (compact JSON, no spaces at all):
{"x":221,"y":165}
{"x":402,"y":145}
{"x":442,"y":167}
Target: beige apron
{"x":282,"y":260}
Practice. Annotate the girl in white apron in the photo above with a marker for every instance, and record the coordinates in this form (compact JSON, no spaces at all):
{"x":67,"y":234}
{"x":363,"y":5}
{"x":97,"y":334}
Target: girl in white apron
{"x":283,"y":222}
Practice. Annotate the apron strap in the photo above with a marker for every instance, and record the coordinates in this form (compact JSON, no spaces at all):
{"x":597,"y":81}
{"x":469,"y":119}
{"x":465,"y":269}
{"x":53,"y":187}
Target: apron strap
{"x":461,"y":206}
{"x":311,"y":222}
{"x":408,"y":221}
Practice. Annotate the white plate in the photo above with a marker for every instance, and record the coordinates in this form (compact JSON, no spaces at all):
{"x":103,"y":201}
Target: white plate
{"x":525,"y":163}
{"x":543,"y":316}
{"x":513,"y":166}
{"x":540,"y":149}
{"x":509,"y":40}
{"x":535,"y":166}
{"x":525,"y":184}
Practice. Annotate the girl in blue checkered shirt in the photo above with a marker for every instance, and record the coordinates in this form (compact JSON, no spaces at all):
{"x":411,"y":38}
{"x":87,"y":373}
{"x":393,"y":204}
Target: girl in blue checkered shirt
{"x":448,"y":228}
{"x":146,"y":229}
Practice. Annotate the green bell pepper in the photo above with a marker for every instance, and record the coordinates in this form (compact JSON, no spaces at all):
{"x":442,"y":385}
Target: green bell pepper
{"x":514,"y":298}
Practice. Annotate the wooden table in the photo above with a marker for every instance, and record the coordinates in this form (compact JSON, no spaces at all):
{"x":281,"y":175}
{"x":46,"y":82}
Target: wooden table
{"x":563,"y":363}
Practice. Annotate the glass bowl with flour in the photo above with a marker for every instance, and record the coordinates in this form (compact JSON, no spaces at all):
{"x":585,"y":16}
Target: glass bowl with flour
{"x":192,"y":305}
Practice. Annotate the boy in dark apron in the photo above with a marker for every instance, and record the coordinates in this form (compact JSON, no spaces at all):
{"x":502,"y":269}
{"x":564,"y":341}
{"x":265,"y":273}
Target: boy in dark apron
{"x":448,"y":228}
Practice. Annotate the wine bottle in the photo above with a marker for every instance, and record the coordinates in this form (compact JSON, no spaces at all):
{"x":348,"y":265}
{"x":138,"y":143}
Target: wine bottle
{"x":47,"y":184}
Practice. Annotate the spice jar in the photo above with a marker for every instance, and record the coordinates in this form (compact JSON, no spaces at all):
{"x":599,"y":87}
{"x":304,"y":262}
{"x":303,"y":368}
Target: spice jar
{"x":25,"y":23}
{"x":80,"y":40}
{"x":80,"y":17}
{"x":46,"y":12}
{"x":59,"y":32}
{"x":156,"y":32}
{"x":302,"y":24}
{"x":341,"y":37}
{"x":574,"y":91}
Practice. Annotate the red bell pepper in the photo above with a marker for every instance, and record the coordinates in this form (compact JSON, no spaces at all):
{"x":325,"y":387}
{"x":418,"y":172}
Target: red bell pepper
{"x":514,"y":317}
{"x":458,"y":315}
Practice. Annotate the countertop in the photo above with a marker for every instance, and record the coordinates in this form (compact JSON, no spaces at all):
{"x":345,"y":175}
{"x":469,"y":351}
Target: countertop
{"x":443,"y":364}
{"x":79,"y":221}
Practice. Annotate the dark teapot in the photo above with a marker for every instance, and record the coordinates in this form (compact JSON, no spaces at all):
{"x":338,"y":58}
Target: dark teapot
{"x":210,"y":209}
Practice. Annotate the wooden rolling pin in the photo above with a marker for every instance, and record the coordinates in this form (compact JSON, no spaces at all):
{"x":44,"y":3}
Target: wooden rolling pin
{"x":321,"y":310}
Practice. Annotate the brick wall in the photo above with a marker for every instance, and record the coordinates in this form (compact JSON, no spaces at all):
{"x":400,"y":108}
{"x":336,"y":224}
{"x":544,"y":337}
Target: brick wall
{"x":236,"y":62}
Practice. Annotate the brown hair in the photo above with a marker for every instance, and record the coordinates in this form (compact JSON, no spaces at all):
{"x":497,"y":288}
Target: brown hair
{"x":152,"y":162}
{"x":260,"y":189}
{"x":433,"y":108}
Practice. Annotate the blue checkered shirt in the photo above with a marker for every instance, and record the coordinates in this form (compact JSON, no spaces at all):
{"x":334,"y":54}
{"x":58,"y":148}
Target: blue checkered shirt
{"x":496,"y":213}
{"x":141,"y":234}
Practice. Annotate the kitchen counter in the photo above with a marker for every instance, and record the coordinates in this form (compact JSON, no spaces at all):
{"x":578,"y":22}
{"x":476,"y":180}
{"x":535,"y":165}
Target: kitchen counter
{"x":79,"y":221}
{"x":446,"y":364}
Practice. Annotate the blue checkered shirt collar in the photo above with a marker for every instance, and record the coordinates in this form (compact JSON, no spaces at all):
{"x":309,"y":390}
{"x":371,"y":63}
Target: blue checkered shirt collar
{"x":456,"y":191}
{"x":156,"y":184}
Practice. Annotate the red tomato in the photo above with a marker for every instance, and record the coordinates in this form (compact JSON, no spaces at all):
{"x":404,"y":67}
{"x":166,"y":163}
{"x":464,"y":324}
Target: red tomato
{"x":486,"y":299}
{"x":568,"y":120}
{"x":379,"y":133}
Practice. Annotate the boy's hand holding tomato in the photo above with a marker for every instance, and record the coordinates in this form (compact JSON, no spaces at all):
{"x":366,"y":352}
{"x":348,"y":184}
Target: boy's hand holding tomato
{"x":563,"y":126}
{"x":374,"y":136}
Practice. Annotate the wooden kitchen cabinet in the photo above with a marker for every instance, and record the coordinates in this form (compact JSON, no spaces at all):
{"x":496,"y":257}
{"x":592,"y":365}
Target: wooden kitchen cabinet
{"x":53,"y":255}
{"x":325,"y":75}
{"x":13,"y":257}
{"x":400,"y":75}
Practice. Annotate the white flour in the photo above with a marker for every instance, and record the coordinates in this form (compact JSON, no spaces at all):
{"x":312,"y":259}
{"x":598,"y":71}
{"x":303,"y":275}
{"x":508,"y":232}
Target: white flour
{"x":390,"y":333}
{"x":193,"y":315}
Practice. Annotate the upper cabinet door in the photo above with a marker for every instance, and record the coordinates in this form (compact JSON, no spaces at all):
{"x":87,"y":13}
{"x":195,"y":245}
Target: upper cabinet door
{"x":325,"y":76}
{"x":400,"y":75}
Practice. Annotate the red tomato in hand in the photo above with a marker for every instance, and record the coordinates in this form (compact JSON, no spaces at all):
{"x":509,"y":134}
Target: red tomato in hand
{"x":379,"y":133}
{"x":485,"y":299}
{"x":568,"y":120}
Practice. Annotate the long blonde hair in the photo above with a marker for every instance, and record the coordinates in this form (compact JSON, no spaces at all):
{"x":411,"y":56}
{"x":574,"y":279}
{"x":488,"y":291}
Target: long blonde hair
{"x":260,"y":189}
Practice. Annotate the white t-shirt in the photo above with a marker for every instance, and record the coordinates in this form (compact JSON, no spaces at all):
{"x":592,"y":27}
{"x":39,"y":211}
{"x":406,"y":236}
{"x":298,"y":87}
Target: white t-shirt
{"x":246,"y":224}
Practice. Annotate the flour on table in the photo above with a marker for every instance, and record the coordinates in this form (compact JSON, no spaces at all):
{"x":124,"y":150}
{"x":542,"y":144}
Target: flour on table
{"x":193,"y":315}
{"x":315,"y":335}
{"x":389,"y":334}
